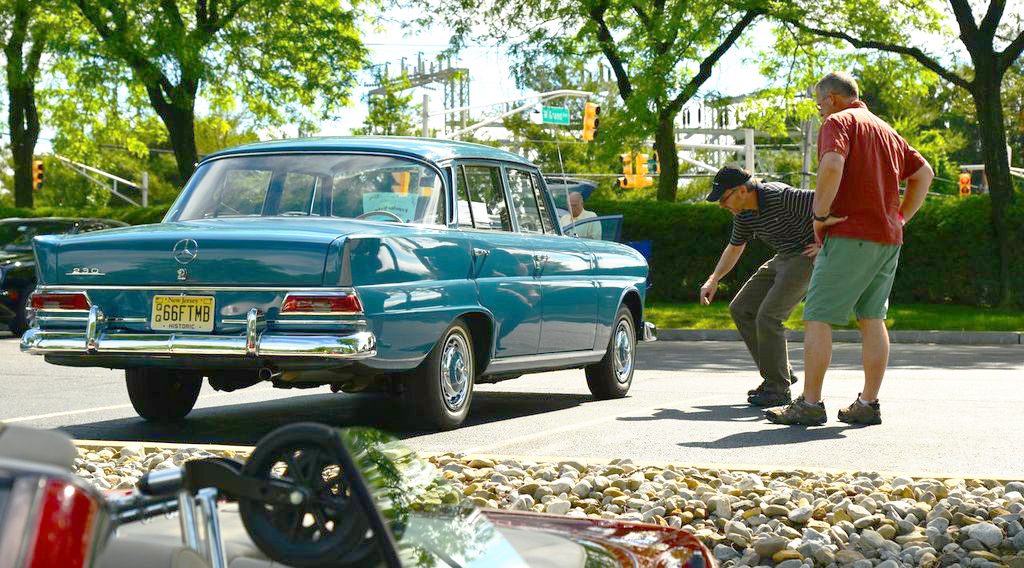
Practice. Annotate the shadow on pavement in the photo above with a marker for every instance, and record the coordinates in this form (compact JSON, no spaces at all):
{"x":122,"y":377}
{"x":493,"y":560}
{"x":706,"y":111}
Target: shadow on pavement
{"x":774,"y":436}
{"x":245,"y":424}
{"x":718,"y":413}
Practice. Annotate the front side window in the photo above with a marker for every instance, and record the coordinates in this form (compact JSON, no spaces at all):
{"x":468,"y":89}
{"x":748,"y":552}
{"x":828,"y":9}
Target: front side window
{"x":380,"y":188}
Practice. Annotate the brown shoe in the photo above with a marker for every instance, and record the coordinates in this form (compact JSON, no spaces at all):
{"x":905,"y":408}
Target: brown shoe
{"x":798,"y":412}
{"x":858,"y":413}
{"x":769,"y":398}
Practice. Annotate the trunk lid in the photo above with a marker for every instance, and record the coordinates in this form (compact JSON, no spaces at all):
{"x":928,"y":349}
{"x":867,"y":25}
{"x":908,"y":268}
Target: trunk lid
{"x":225,"y":252}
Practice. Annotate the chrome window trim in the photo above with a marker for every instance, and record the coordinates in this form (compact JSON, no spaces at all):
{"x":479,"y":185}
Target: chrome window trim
{"x":427,"y":163}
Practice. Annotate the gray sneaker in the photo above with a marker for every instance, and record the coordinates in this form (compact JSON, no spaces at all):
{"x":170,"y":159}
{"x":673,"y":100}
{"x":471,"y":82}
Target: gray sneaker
{"x":798,"y":412}
{"x":858,"y":413}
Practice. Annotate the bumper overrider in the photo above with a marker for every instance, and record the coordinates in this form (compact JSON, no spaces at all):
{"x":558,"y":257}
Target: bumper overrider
{"x":97,"y":340}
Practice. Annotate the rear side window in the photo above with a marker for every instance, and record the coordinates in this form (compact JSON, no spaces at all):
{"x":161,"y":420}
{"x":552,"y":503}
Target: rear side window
{"x":486,"y":206}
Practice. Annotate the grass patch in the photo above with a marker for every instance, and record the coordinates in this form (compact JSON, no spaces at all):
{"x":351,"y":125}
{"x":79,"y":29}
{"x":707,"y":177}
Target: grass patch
{"x":924,"y":317}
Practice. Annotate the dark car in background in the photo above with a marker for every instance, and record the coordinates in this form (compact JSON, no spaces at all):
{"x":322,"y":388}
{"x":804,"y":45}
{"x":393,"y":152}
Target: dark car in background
{"x":18,"y":265}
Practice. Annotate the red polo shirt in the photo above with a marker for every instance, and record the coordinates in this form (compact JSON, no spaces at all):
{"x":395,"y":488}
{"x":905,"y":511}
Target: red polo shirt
{"x":877,"y":160}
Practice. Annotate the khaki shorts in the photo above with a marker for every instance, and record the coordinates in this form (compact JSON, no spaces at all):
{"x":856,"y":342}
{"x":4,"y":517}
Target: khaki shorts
{"x":851,"y":275}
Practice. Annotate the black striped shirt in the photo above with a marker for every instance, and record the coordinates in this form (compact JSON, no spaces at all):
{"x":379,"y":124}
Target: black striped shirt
{"x":782,"y":219}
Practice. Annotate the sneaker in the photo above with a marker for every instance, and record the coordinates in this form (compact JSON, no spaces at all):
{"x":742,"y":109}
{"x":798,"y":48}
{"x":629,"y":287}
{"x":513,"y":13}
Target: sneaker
{"x":769,"y":398}
{"x":798,"y":412}
{"x":858,"y":413}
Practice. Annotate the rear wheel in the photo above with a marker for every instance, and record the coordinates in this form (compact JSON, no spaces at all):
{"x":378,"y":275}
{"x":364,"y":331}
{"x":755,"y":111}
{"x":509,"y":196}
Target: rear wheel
{"x":613,"y":375}
{"x":438,"y":394}
{"x":161,"y":395}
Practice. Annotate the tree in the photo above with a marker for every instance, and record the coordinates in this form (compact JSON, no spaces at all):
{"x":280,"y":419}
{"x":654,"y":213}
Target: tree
{"x":660,"y":52}
{"x":993,"y":44}
{"x":390,"y":113}
{"x":24,"y":30}
{"x":276,"y":58}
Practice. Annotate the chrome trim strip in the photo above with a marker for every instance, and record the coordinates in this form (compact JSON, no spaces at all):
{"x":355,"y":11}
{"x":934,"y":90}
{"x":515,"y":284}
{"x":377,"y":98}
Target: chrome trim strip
{"x":354,"y":345}
{"x":543,"y":361}
{"x":62,"y":319}
{"x":649,"y":332}
{"x":284,"y":321}
{"x":194,"y":288}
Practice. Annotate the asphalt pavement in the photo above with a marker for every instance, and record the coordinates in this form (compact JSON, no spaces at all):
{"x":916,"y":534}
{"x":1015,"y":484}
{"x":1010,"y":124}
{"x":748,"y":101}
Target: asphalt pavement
{"x":948,"y":410}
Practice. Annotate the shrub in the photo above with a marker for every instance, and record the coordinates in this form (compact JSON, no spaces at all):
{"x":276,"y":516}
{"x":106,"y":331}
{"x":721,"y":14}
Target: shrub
{"x":949,"y":254}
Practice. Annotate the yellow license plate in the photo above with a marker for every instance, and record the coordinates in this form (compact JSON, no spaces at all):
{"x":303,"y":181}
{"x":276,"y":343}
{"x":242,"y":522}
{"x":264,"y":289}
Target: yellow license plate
{"x":182,"y":313}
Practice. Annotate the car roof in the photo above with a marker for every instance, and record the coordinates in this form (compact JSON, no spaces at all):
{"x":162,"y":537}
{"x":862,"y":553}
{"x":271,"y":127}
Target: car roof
{"x":431,"y":149}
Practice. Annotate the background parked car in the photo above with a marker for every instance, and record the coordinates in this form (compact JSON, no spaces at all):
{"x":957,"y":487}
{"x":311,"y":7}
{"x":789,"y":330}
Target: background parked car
{"x":18,"y":265}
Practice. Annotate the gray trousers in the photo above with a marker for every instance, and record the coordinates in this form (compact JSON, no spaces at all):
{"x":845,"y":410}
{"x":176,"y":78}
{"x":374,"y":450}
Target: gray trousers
{"x":761,"y":306}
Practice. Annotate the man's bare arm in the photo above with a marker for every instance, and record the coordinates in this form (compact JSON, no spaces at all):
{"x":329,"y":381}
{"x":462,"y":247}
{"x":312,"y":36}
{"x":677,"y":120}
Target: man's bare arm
{"x":917,"y":189}
{"x":728,"y":260}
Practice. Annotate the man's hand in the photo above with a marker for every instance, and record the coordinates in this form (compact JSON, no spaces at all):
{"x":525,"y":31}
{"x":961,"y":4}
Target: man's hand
{"x":811,"y":250}
{"x":819,"y":228}
{"x":707,"y":291}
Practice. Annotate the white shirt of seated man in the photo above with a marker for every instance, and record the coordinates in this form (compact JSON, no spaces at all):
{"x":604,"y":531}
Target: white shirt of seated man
{"x":576,"y":214}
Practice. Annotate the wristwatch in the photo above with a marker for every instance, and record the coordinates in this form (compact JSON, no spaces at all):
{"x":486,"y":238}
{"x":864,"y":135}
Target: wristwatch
{"x":816,"y":218}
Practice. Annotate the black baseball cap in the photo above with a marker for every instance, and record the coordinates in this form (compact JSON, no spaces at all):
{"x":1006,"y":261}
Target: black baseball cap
{"x":727,"y":177}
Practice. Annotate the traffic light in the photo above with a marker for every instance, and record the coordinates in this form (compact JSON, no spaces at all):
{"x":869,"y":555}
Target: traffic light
{"x":965,"y":184}
{"x":37,"y":175}
{"x":641,"y":179}
{"x":590,"y":121}
{"x":628,"y":181}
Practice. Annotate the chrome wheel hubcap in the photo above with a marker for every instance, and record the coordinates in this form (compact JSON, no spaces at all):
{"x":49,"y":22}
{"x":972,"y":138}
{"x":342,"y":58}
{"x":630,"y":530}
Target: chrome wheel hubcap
{"x":456,"y":371}
{"x":623,"y":347}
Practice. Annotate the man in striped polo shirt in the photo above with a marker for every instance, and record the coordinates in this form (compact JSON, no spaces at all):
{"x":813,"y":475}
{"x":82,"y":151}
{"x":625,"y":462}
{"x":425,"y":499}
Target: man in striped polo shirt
{"x":781,"y":216}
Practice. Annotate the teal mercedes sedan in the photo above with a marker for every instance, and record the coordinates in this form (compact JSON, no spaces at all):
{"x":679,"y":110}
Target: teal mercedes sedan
{"x":413,"y":265}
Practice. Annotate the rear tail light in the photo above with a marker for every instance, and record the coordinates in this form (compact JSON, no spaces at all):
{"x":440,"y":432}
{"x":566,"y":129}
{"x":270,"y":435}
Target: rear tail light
{"x":339,"y":303}
{"x":60,"y":301}
{"x":68,"y":520}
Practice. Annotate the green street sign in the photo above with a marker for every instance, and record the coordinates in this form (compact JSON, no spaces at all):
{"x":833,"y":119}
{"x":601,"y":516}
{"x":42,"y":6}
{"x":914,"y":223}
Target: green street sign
{"x":555,"y":115}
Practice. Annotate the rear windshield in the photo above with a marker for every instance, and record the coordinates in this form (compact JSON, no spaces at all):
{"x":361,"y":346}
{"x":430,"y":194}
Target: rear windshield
{"x":381,"y":188}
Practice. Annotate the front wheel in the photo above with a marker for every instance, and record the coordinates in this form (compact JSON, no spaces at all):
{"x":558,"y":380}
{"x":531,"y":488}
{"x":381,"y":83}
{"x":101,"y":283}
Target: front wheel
{"x":612,"y":376}
{"x":161,"y":395}
{"x":439,"y":392}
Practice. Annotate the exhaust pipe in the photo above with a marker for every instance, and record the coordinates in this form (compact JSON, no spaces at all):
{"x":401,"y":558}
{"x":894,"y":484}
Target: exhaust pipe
{"x":267,"y":373}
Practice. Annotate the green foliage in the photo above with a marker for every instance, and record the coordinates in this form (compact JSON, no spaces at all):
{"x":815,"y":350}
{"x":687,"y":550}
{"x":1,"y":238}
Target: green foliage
{"x":390,"y":114}
{"x":130,"y":215}
{"x":949,"y":255}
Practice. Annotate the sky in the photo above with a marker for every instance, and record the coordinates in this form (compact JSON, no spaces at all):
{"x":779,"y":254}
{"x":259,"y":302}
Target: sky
{"x":490,"y":79}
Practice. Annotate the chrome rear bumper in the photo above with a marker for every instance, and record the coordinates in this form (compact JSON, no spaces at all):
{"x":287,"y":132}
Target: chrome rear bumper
{"x":96,"y":340}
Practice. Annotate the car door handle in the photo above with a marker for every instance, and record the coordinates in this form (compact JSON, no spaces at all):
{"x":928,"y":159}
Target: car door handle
{"x":538,"y":262}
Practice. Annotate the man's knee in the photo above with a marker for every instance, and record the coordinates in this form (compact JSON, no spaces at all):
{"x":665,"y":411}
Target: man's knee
{"x":768,"y":320}
{"x":741,"y":311}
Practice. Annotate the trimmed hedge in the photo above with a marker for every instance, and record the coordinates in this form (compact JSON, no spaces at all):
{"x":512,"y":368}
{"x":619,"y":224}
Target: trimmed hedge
{"x":130,"y":215}
{"x":949,"y":255}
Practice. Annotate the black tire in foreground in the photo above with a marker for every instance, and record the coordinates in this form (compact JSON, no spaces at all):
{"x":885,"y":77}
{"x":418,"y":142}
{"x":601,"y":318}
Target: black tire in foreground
{"x":439,"y":392}
{"x":161,"y":395}
{"x":612,"y":376}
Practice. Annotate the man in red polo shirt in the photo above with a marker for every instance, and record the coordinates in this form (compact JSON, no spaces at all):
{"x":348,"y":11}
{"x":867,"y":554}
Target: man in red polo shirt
{"x":861,"y":162}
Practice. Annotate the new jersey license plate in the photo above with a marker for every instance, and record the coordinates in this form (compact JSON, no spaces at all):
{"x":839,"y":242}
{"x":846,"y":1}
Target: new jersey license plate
{"x":182,"y":313}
